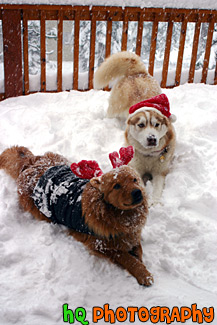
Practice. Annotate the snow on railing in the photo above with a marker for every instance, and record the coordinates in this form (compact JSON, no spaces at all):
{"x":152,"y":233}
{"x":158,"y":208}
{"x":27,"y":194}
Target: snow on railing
{"x":177,"y":45}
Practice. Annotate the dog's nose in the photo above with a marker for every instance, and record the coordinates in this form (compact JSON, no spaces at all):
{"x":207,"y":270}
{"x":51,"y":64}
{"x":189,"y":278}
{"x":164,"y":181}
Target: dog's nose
{"x":151,"y":139}
{"x":136,"y":196}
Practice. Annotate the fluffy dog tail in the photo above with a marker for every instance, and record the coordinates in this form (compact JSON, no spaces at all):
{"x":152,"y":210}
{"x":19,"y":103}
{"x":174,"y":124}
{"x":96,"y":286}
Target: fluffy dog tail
{"x":14,"y":160}
{"x":118,"y":65}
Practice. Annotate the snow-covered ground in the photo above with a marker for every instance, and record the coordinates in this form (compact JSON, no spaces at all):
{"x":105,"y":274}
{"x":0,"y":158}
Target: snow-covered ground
{"x":41,"y":268}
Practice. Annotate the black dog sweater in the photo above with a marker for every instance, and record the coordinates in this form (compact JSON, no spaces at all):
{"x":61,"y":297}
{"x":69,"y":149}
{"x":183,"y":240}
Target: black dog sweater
{"x":58,"y":196}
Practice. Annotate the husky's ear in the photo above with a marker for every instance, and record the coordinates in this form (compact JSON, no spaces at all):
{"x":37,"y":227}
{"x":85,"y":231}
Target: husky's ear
{"x":96,"y":182}
{"x":132,"y":120}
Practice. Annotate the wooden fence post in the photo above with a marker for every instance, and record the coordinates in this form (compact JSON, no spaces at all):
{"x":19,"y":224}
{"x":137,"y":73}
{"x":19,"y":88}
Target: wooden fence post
{"x":194,"y":50}
{"x":153,"y":45}
{"x":207,"y":51}
{"x":60,"y":51}
{"x":76,"y":50}
{"x":11,"y":25}
{"x":43,"y":50}
{"x":181,"y":51}
{"x":25,"y":53}
{"x":167,"y":54}
{"x":92,"y":49}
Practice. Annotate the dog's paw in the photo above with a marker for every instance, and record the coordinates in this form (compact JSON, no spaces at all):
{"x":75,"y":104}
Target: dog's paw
{"x":147,"y":281}
{"x":145,"y":278}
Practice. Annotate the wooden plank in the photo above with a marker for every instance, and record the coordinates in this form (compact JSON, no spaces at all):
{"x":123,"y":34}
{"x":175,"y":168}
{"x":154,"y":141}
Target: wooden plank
{"x":60,"y":50}
{"x":139,"y":35}
{"x":11,"y":26}
{"x":92,"y":50}
{"x":44,"y":7}
{"x":108,"y":36}
{"x":207,"y":52}
{"x":76,"y":50}
{"x":124,"y":32}
{"x":117,"y":10}
{"x":108,"y":40}
{"x":153,"y":46}
{"x":167,"y":54}
{"x":215,"y":76}
{"x":104,"y":8}
{"x":181,"y":52}
{"x":43,"y":51}
{"x":194,"y":50}
{"x":117,"y":14}
{"x":25,"y":54}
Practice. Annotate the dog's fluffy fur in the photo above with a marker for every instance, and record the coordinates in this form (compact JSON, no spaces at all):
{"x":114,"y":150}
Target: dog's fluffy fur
{"x":107,"y":207}
{"x":133,"y":85}
{"x":153,"y":154}
{"x":133,"y":82}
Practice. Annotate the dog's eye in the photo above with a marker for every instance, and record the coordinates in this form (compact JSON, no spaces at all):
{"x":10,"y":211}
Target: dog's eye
{"x":117,"y":186}
{"x":141,"y":125}
{"x":156,"y":125}
{"x":135,"y":180}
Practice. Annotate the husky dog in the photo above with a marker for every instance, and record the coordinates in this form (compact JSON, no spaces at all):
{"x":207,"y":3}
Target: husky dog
{"x":150,"y":131}
{"x":137,"y":97}
{"x":133,"y":82}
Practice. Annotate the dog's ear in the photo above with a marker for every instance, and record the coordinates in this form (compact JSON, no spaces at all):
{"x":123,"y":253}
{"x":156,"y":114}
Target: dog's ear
{"x":133,"y":120}
{"x":96,"y":182}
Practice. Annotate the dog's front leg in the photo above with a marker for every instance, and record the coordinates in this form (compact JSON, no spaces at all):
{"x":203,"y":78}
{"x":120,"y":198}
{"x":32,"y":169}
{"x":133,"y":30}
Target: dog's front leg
{"x":131,"y":263}
{"x":122,"y":258}
{"x":158,"y":185}
{"x":134,"y":266}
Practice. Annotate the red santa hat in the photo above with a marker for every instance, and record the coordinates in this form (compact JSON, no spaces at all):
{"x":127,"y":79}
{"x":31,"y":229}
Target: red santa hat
{"x":159,"y":103}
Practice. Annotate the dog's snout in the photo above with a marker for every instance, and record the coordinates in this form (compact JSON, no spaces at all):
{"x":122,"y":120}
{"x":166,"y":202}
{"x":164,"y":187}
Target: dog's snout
{"x":151,"y":139}
{"x":136,"y":196}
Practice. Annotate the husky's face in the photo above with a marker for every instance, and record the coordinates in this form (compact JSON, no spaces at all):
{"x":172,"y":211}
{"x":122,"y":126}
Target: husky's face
{"x":148,"y":128}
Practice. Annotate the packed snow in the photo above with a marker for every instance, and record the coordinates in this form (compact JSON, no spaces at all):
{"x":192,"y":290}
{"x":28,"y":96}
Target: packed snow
{"x":202,"y":4}
{"x":41,"y":268}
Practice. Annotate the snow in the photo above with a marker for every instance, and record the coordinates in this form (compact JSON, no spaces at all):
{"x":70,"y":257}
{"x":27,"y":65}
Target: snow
{"x":42,"y":268}
{"x":202,"y":4}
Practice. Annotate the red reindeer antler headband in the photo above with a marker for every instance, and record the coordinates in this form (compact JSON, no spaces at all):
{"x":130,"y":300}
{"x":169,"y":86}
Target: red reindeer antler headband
{"x":89,"y":168}
{"x":126,"y":154}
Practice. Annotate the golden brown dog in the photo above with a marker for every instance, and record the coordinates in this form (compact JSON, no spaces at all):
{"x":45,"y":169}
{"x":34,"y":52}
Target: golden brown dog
{"x":114,"y":207}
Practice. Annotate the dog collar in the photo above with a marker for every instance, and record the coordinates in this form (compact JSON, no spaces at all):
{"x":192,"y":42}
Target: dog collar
{"x":160,"y":153}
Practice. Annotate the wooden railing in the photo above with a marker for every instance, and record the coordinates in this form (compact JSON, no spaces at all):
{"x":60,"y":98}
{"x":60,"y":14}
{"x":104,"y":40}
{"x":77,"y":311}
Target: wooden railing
{"x":15,"y":40}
